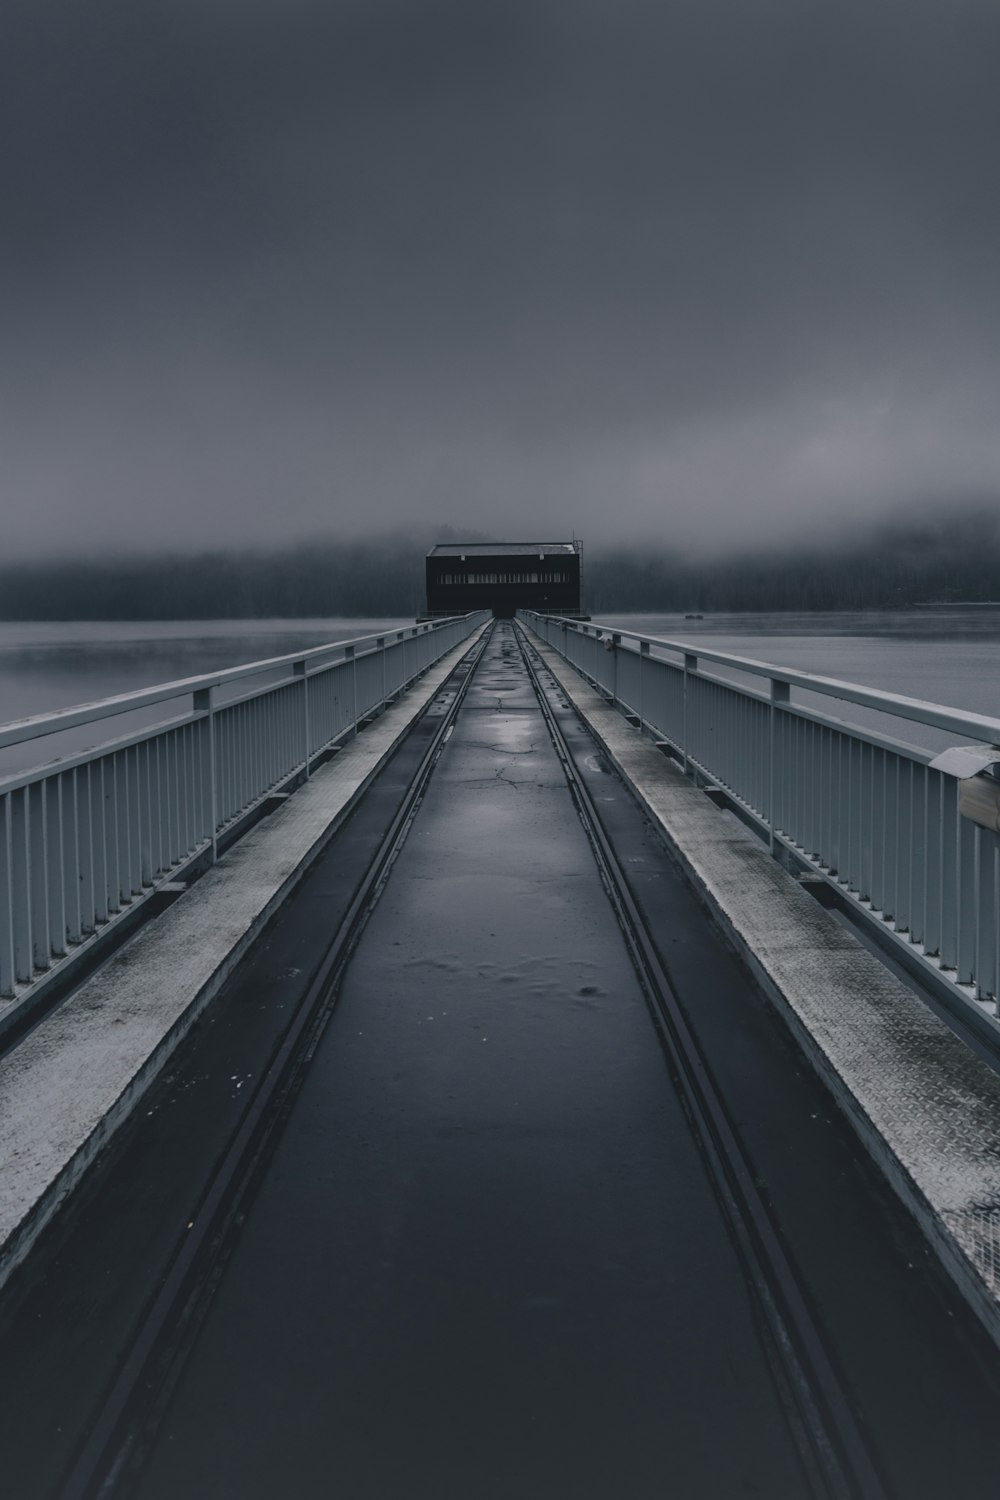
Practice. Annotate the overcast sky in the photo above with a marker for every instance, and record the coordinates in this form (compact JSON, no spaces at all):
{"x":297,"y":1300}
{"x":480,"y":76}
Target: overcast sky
{"x":697,"y":271}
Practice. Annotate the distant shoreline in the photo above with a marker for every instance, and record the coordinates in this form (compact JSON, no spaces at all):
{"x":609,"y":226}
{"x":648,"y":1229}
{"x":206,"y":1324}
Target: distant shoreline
{"x":216,"y":624}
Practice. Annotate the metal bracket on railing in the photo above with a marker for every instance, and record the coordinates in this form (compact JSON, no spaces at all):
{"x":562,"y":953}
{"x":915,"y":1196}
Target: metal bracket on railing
{"x":964,"y":761}
{"x":977,"y":768}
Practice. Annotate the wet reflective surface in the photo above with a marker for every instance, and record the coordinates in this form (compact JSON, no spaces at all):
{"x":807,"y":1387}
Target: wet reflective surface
{"x":485,"y":1260}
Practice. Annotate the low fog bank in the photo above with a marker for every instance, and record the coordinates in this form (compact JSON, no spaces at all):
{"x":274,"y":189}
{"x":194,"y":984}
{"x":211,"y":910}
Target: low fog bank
{"x":383,"y":576}
{"x":954,"y":558}
{"x":948,"y":560}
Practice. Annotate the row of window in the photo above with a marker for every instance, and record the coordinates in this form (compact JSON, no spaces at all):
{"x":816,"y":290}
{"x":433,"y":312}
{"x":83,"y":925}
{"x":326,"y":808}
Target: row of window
{"x":500,"y":578}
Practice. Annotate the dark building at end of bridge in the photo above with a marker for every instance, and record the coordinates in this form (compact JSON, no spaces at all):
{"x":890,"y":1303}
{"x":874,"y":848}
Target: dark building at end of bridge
{"x":504,"y":577}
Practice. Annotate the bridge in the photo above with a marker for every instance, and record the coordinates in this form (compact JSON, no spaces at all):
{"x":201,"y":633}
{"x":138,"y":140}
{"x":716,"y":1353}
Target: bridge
{"x":500,"y":1058}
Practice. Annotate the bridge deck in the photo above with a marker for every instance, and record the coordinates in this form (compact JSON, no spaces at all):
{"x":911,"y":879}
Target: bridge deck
{"x":487,"y":1220}
{"x":483,"y":1257}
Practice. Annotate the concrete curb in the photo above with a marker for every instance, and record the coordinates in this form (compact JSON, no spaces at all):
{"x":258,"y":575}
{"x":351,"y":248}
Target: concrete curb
{"x":76,"y":1078}
{"x":925,"y":1107}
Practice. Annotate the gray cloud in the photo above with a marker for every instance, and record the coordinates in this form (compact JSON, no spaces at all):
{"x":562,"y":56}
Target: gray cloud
{"x":715,"y":273}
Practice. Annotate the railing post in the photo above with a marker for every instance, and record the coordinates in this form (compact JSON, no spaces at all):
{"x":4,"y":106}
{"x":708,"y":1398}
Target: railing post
{"x":38,"y":876}
{"x":7,"y":977}
{"x":300,"y":670}
{"x":643,"y":652}
{"x":21,"y":840}
{"x":380,"y":643}
{"x":690,"y":665}
{"x":203,"y":701}
{"x":350,"y":655}
{"x":616,"y":642}
{"x":780,"y":693}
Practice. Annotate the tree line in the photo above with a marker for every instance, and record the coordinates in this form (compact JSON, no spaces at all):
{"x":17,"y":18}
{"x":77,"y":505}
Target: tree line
{"x":949,"y":560}
{"x":956,"y":558}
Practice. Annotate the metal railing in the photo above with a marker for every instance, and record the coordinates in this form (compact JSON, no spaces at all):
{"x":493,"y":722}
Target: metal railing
{"x":86,"y":839}
{"x":874,"y":816}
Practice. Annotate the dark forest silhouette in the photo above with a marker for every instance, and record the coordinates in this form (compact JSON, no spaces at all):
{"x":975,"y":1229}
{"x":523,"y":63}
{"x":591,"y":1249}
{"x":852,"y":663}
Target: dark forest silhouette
{"x":954,"y":559}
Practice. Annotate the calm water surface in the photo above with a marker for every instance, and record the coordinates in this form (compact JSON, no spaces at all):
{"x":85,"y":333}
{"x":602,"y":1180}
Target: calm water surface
{"x":947,"y":654}
{"x":47,"y":666}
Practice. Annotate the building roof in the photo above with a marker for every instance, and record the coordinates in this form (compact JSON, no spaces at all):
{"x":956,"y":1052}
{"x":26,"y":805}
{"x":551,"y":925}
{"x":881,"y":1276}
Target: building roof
{"x":502,"y":549}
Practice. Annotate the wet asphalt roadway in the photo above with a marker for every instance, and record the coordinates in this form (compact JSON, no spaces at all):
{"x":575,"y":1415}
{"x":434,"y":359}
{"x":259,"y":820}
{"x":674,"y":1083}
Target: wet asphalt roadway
{"x":484,"y":1258}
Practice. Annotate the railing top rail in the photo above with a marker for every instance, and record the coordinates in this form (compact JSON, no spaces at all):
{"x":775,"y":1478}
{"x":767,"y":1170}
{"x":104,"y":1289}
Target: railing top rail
{"x":18,"y":730}
{"x":939,"y":716}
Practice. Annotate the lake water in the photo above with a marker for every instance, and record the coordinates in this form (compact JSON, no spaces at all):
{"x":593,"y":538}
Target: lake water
{"x":48,"y":666}
{"x":947,"y":655}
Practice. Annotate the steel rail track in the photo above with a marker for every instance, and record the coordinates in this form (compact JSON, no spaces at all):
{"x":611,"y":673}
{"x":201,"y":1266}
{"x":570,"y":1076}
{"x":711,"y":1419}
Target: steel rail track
{"x":832,"y":1445}
{"x":111,"y":1455}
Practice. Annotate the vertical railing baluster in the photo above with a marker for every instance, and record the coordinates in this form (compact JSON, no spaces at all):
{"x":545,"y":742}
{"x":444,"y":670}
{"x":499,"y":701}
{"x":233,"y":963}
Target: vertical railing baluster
{"x":184,"y":794}
{"x":38,"y":894}
{"x":100,"y":845}
{"x":934,"y":861}
{"x":778,"y":697}
{"x":21,"y":893}
{"x":73,"y":868}
{"x":950,"y":865}
{"x":690,"y":665}
{"x":905,"y":821}
{"x":52,"y":791}
{"x":179,"y":798}
{"x":985,"y":903}
{"x":7,"y":965}
{"x":135,"y":822}
{"x":162,"y":806}
{"x":146,"y":815}
{"x":352,"y":660}
{"x":967,"y":896}
{"x":921,"y":853}
{"x":124,"y":823}
{"x":643,"y":656}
